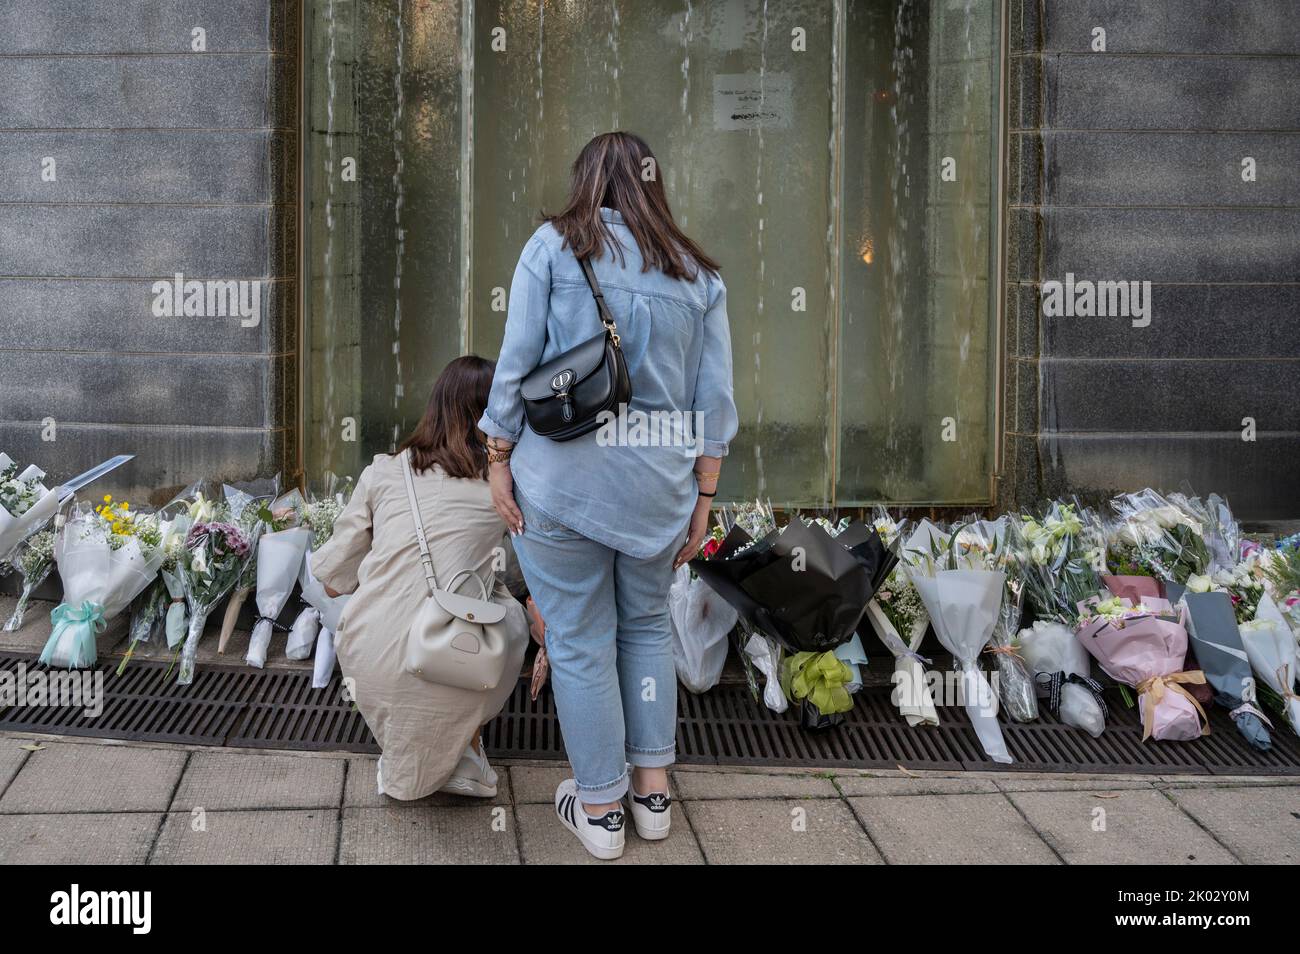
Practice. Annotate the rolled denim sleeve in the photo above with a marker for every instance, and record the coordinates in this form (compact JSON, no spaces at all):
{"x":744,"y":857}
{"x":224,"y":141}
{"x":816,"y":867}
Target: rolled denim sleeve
{"x":523,"y":344}
{"x":715,"y":403}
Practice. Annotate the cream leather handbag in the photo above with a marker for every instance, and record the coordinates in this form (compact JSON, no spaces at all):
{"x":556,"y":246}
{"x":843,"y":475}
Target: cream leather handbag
{"x":454,"y":640}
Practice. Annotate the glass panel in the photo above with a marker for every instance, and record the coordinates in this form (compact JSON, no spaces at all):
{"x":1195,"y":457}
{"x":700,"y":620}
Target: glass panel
{"x":918,"y":316}
{"x":384,"y":249}
{"x":755,"y":196}
{"x":801,"y":143}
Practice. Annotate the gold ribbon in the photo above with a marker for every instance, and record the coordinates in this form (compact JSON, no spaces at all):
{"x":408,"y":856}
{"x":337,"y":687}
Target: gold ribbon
{"x":1157,"y":685}
{"x":1007,"y":650}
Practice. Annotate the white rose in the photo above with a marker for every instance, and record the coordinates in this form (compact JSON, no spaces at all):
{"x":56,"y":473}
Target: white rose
{"x":1199,"y":584}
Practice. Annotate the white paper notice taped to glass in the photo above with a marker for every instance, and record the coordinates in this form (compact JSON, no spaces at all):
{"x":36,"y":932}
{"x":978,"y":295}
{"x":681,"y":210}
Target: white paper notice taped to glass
{"x":751,"y":100}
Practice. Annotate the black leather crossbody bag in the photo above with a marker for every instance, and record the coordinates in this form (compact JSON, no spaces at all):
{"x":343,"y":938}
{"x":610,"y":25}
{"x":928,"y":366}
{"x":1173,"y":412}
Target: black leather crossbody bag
{"x":564,"y":397}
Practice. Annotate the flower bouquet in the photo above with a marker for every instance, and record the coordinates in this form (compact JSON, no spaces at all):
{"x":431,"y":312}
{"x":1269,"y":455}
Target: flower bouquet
{"x":319,"y":515}
{"x":988,"y":545}
{"x":1144,"y":646}
{"x":35,"y":560}
{"x":701,"y":622}
{"x":213,"y":560}
{"x":106,"y":557}
{"x":1061,"y":668}
{"x":898,"y":617}
{"x":1212,"y":629}
{"x":255,"y":518}
{"x":161,"y":607}
{"x":1274,"y":656}
{"x":1059,"y":571}
{"x":1154,"y":538}
{"x":963,"y":601}
{"x":280,"y":552}
{"x":25,"y":504}
{"x":808,"y":590}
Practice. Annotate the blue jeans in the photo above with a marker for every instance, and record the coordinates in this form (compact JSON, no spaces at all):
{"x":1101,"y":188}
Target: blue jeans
{"x":610,"y":644}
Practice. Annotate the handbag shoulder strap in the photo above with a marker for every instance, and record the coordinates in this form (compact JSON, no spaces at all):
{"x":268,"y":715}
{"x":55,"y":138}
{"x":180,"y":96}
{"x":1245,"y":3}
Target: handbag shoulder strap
{"x":425,"y":558}
{"x":602,"y":309}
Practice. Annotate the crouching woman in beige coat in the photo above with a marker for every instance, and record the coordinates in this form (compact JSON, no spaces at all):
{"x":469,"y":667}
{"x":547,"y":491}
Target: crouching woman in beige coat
{"x":429,"y":734}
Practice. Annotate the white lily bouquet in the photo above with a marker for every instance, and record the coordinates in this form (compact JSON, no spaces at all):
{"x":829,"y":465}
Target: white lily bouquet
{"x":26,"y":504}
{"x":964,"y":606}
{"x":280,"y":552}
{"x":106,"y":557}
{"x":320,"y":620}
{"x":898,"y":617}
{"x":35,"y":560}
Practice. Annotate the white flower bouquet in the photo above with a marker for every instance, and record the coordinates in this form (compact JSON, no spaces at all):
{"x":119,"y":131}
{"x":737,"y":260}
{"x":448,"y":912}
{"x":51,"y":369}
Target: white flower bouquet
{"x":26,"y":504}
{"x":106,"y":557}
{"x":35,"y":560}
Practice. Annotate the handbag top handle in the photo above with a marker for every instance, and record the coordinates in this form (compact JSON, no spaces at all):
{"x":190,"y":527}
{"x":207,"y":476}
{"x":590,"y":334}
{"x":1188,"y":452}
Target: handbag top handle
{"x":426,"y":560}
{"x":606,"y":317}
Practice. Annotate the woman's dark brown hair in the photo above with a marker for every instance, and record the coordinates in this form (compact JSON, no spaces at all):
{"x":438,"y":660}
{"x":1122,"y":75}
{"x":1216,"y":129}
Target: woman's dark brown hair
{"x":617,"y":170}
{"x":448,"y":434}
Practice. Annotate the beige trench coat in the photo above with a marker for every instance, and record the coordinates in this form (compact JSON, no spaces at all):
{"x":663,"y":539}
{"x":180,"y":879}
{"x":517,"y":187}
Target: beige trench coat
{"x":422,"y":728}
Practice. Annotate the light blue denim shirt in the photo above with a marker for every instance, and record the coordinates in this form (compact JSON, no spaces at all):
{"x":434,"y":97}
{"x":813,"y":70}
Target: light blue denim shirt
{"x":626,"y":494}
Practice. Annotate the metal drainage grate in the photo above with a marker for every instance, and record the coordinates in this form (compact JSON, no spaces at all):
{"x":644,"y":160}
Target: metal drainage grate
{"x":242,"y":707}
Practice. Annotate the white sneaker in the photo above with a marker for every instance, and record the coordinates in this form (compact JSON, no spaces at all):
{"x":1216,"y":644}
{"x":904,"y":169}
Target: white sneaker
{"x":651,"y":814}
{"x":473,"y":776}
{"x":603,"y":836}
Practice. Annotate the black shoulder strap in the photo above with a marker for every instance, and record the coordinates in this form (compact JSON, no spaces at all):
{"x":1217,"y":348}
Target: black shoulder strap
{"x":606,"y":318}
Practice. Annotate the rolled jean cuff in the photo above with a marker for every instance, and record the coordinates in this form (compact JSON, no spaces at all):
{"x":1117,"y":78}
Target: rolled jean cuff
{"x":603,"y":794}
{"x":652,"y":758}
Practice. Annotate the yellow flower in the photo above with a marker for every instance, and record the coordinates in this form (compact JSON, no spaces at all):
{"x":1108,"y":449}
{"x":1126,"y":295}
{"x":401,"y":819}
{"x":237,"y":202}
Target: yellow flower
{"x":108,"y":498}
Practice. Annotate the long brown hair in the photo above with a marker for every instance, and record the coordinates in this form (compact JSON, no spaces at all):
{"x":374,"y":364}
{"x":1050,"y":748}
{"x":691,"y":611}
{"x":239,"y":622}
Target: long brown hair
{"x":610,"y":171}
{"x":448,"y":434}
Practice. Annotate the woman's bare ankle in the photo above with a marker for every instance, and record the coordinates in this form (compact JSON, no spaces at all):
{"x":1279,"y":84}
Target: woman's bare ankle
{"x":647,"y":780}
{"x":599,"y":811}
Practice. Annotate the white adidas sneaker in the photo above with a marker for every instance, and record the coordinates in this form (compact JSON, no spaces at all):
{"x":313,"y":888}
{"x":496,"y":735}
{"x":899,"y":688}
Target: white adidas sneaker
{"x":473,"y":776}
{"x":603,"y":836}
{"x":651,"y":814}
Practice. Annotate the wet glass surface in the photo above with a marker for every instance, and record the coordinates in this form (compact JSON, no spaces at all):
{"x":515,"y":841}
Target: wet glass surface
{"x":800,"y":143}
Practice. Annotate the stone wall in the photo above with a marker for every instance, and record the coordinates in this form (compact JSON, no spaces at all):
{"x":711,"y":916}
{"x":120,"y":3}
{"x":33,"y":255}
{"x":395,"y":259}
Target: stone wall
{"x":1128,"y":165}
{"x":126,"y":156}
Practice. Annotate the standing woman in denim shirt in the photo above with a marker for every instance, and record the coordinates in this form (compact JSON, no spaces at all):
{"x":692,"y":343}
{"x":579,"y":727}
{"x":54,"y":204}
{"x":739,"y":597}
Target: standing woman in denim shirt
{"x":601,"y":521}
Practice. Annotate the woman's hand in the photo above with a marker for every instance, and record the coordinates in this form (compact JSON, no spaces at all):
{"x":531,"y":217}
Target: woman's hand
{"x":699,"y":526}
{"x":503,"y":496}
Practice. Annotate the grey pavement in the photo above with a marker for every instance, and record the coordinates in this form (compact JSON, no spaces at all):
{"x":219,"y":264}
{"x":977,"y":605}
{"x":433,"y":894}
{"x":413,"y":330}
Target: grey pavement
{"x":102,"y":802}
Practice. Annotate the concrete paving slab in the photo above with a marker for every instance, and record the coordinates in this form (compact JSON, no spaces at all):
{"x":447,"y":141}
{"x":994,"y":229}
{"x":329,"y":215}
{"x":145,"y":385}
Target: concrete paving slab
{"x":12,"y":756}
{"x":253,"y":837}
{"x":853,"y":785}
{"x":543,"y":840}
{"x":1260,"y":825}
{"x":780,"y":831}
{"x":225,"y":780}
{"x":698,"y":786}
{"x":68,"y":777}
{"x":361,"y":791}
{"x":1137,"y":827}
{"x":979,"y":828}
{"x":536,"y":784}
{"x":117,"y":839}
{"x":424,"y":834}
